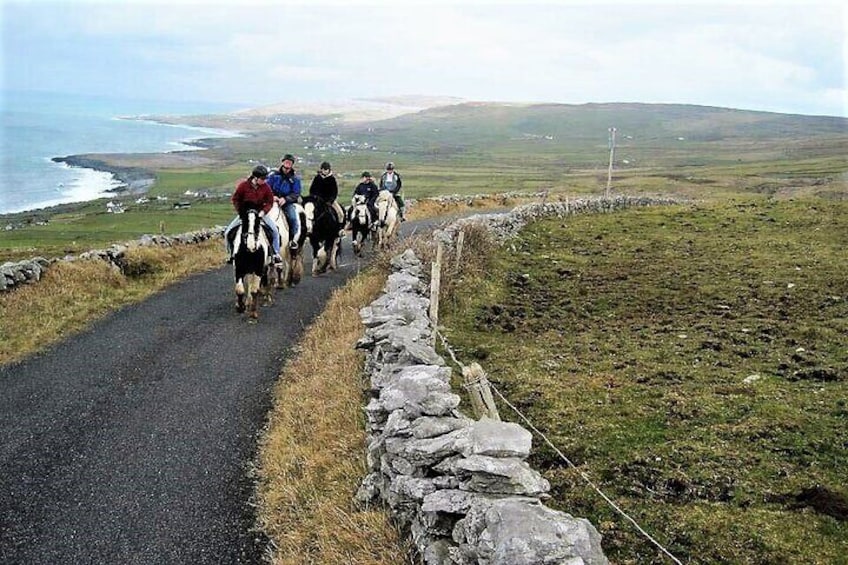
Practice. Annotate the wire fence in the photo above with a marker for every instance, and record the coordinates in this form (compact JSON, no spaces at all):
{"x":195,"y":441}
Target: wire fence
{"x":481,"y":380}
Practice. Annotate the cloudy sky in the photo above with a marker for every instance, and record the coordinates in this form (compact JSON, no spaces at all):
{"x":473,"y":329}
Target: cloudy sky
{"x":777,"y":56}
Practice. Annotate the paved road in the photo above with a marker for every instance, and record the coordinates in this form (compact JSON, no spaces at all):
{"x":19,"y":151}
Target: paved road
{"x":132,"y":442}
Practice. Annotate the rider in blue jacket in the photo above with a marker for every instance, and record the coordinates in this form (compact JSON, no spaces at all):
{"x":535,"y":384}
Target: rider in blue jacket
{"x":285,"y":184}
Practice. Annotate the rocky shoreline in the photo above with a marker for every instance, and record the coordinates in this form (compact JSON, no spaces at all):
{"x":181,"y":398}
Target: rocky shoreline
{"x":136,"y":180}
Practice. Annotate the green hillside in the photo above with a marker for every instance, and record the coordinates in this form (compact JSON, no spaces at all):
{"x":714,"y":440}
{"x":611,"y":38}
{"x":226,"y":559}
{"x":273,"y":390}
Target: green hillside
{"x":477,"y":148}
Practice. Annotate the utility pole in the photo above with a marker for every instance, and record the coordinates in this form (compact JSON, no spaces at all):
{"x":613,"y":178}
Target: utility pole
{"x":612,"y":156}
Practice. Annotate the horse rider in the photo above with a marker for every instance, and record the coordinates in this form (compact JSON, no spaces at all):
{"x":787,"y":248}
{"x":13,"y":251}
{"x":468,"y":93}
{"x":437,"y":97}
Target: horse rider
{"x":368,"y":189}
{"x":326,"y":187}
{"x":390,"y":180}
{"x":254,"y":193}
{"x":285,"y":184}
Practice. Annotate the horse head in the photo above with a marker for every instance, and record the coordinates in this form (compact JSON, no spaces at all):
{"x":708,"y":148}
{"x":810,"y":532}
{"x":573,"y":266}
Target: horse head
{"x":250,"y":225}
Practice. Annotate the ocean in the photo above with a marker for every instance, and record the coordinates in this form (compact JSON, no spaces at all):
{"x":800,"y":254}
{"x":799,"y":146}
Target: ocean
{"x":36,"y":127}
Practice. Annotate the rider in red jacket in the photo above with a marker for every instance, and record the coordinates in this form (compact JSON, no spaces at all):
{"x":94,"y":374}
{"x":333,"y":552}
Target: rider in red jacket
{"x":254,"y":192}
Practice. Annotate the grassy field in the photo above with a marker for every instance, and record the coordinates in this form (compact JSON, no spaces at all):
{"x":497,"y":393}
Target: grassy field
{"x":692,"y":361}
{"x":472,"y":149}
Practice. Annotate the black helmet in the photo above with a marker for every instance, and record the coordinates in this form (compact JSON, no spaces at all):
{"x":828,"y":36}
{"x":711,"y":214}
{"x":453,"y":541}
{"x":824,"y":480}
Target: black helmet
{"x":390,"y":166}
{"x":287,"y":157}
{"x":325,"y":166}
{"x":366,"y":174}
{"x":259,"y":172}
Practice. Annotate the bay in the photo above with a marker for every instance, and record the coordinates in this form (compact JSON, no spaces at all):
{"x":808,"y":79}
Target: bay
{"x":38,"y":126}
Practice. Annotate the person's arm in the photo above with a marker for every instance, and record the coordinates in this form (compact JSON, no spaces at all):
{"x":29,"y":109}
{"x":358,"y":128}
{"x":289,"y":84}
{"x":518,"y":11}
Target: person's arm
{"x":334,"y":189}
{"x":237,"y":199}
{"x":399,"y":182}
{"x":267,"y":198}
{"x":294,"y":195}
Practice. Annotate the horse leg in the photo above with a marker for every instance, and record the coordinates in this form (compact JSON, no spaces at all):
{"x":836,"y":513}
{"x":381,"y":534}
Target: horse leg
{"x":335,"y":249}
{"x":254,"y":284}
{"x":240,"y":302}
{"x":297,"y":269}
{"x":316,"y":252}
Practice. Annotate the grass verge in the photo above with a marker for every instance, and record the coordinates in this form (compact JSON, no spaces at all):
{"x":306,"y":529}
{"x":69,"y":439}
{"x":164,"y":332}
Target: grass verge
{"x":312,"y":455}
{"x":71,"y":295}
{"x":691,"y":360}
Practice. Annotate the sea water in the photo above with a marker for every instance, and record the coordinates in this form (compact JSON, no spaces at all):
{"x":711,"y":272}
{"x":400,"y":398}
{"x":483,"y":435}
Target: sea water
{"x":36,"y":127}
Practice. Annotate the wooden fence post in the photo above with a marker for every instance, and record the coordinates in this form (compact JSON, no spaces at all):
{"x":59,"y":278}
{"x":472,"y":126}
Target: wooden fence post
{"x":460,"y":241}
{"x":435,"y":284}
{"x":478,"y":389}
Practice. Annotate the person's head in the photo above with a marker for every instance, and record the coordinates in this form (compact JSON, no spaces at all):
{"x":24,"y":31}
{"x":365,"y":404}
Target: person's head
{"x":260,"y":173}
{"x":366,"y":175}
{"x":325,"y":169}
{"x":390,"y":166}
{"x":287,"y":161}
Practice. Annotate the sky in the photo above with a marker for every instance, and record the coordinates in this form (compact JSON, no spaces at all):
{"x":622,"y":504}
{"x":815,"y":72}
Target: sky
{"x":789,"y":57}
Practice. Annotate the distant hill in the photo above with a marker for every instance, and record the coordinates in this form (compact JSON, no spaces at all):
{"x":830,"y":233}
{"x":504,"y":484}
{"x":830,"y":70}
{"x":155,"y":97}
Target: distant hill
{"x":356,"y":110}
{"x":654,"y":134}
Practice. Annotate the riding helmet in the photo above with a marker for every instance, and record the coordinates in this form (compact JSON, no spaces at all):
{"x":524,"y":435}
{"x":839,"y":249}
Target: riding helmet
{"x":287,"y":157}
{"x":365,"y":174}
{"x":325,"y":166}
{"x":259,"y":172}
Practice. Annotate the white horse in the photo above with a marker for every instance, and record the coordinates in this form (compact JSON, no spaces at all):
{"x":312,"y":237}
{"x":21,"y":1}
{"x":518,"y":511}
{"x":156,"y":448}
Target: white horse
{"x":251,"y":259}
{"x":290,"y":272}
{"x":388,"y":221}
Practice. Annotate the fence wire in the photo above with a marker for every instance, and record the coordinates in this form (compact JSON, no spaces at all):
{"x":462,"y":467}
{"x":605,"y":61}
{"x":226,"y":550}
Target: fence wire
{"x":583,"y":475}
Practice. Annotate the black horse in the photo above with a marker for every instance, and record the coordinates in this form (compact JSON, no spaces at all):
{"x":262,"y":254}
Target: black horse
{"x":324,"y":229}
{"x":250,"y":261}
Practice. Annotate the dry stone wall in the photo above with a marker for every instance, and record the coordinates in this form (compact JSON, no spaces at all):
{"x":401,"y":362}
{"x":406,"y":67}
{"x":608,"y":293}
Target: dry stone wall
{"x":13,"y":274}
{"x":461,"y":487}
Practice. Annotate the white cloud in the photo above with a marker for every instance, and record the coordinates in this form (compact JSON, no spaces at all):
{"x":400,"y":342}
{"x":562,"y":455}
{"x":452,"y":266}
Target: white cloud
{"x":786,"y":57}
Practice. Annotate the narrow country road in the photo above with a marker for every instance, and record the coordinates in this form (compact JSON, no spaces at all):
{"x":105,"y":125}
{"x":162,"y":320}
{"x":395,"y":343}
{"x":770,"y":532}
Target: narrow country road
{"x":132,"y":442}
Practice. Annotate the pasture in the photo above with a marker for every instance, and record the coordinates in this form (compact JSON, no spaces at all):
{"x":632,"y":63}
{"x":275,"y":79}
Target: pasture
{"x":691,"y":360}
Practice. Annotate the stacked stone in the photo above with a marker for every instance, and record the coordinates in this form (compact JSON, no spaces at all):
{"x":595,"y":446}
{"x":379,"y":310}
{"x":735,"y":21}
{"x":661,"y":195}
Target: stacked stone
{"x":31,"y":271}
{"x":22,"y":272}
{"x":461,"y":487}
{"x":503,"y":226}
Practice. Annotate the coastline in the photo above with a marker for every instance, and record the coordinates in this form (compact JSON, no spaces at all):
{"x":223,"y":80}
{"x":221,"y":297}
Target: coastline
{"x":135,"y":180}
{"x":133,"y":174}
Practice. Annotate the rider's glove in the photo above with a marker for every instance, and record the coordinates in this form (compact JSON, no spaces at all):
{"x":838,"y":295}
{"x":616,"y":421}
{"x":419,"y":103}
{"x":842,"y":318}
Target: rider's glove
{"x":262,"y":213}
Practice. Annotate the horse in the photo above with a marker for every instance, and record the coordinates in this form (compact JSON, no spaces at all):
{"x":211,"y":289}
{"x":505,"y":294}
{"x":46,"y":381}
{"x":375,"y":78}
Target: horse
{"x":251,"y":259}
{"x":360,"y":224}
{"x":324,"y":230}
{"x":388,"y":221}
{"x":290,"y":272}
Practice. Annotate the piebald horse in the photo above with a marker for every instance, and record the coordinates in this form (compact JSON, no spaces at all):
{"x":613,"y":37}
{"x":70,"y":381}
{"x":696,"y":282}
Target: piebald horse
{"x":324,"y":230}
{"x":290,"y":272}
{"x":251,"y":260}
{"x":360,"y":224}
{"x":388,"y":221}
